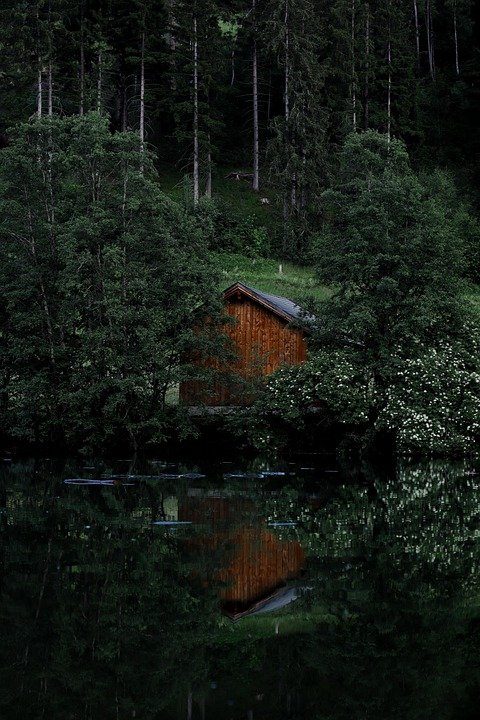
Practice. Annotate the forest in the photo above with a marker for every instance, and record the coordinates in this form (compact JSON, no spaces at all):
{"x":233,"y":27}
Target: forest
{"x":145,"y":145}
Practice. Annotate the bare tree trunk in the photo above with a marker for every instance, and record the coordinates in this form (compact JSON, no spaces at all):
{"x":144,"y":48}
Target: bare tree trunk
{"x":366,"y":91}
{"x":287,"y":199}
{"x":269,"y":100}
{"x":81,"y":65}
{"x":354,"y":87}
{"x":50,"y":89}
{"x":303,"y":192}
{"x":124,"y":109}
{"x":142,"y":101}
{"x":417,"y":31}
{"x":255,"y":180}
{"x":39,"y":70}
{"x":39,"y":87}
{"x":99,"y":81}
{"x":455,"y":36}
{"x":232,"y":61}
{"x":208,"y":184}
{"x":389,"y":88}
{"x":287,"y":66}
{"x":196,"y":171}
{"x":430,"y":39}
{"x":81,"y":73}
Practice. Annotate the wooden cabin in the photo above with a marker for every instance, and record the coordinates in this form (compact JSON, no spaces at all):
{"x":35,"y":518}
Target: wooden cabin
{"x":266,"y":332}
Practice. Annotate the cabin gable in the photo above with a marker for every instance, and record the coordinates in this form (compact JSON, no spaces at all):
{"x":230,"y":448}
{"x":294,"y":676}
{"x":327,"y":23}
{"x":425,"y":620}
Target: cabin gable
{"x":263,"y":339}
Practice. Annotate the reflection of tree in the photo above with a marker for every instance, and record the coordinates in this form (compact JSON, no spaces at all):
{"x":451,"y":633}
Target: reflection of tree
{"x":102,"y":615}
{"x":98,"y":611}
{"x":399,"y":571}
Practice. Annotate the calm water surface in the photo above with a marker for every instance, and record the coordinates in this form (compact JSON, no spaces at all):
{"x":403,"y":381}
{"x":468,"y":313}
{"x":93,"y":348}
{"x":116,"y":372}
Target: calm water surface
{"x":277,"y":590}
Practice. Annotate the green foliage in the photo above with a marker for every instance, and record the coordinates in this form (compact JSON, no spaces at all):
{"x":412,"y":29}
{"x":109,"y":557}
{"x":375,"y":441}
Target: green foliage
{"x":386,"y":244}
{"x":102,"y":279}
{"x":229,"y":230}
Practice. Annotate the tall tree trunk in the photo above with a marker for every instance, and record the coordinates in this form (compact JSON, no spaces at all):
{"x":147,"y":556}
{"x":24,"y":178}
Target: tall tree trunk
{"x":99,"y":81}
{"x":417,"y":31}
{"x":208,"y":184}
{"x":81,"y":74}
{"x":142,"y":100}
{"x":50,"y":89}
{"x":455,"y":37}
{"x":256,"y":179}
{"x":196,"y":163}
{"x":287,"y":199}
{"x":287,"y":66}
{"x":81,"y":66}
{"x":354,"y":87}
{"x":124,"y":106}
{"x":366,"y":90}
{"x":269,"y":99}
{"x":430,"y":38}
{"x":39,"y":70}
{"x":39,"y":87}
{"x":389,"y":88}
{"x":232,"y":63}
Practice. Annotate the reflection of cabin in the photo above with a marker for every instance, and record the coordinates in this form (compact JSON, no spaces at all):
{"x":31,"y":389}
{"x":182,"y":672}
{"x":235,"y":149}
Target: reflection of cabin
{"x":263,"y":337}
{"x":256,"y":563}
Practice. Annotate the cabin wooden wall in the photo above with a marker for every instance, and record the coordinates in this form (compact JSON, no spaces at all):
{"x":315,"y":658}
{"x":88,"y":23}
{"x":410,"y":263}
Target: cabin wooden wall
{"x":260,"y":564}
{"x":263,"y":342}
{"x":253,"y":561}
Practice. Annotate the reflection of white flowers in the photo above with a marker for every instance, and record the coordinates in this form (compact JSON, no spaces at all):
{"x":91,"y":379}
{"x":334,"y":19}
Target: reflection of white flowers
{"x":427,"y":516}
{"x":432,"y":512}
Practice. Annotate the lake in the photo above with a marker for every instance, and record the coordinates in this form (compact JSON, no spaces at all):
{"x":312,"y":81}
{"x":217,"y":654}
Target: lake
{"x":255,"y":590}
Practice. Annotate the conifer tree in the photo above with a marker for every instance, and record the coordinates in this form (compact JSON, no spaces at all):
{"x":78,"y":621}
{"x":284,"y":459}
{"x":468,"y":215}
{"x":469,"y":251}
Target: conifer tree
{"x":297,"y":148}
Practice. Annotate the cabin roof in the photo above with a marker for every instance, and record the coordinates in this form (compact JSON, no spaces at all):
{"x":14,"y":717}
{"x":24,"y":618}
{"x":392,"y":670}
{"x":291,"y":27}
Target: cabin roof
{"x":274,"y":600}
{"x":281,"y":306}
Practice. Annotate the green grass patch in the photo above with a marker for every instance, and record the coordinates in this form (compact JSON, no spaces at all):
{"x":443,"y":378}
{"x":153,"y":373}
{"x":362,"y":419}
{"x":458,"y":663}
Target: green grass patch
{"x":283,"y":622}
{"x":293,"y":281}
{"x":473,"y":297}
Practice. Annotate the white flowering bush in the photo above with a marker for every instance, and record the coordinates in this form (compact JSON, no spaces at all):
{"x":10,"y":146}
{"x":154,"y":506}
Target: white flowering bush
{"x":330,"y":379}
{"x":429,"y":401}
{"x":433,"y":400}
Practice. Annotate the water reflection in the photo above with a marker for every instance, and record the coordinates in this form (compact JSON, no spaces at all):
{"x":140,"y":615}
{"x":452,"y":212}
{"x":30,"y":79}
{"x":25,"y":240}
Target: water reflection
{"x":352,"y":599}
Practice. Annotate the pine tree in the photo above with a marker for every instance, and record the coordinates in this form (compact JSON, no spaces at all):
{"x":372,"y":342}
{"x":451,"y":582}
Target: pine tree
{"x":297,"y":149}
{"x":195,"y":42}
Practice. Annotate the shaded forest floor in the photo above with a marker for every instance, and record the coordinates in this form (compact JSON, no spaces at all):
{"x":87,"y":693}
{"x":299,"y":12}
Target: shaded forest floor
{"x":233,"y":196}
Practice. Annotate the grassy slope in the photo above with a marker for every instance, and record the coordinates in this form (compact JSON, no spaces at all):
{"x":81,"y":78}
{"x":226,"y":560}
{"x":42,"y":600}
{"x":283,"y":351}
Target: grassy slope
{"x":290,"y":621}
{"x":295,"y":282}
{"x":473,"y":297}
